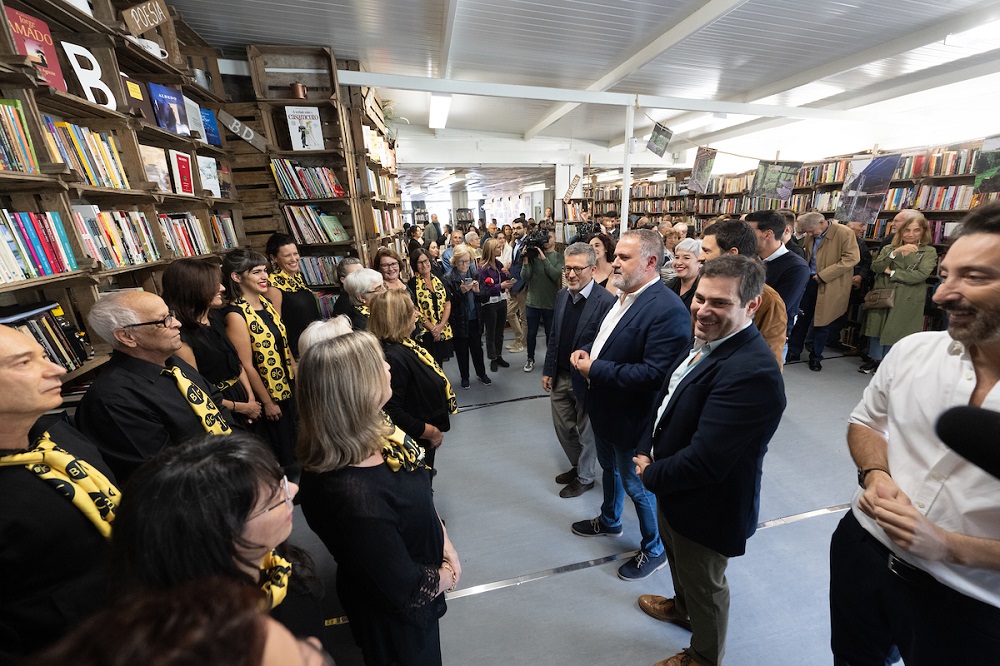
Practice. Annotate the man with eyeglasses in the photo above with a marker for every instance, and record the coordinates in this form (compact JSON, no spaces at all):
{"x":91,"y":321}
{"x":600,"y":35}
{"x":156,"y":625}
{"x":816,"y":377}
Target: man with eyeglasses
{"x":578,"y":312}
{"x":144,"y":398}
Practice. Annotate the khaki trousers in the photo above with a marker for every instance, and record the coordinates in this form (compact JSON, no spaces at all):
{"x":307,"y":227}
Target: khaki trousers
{"x":516,"y":315}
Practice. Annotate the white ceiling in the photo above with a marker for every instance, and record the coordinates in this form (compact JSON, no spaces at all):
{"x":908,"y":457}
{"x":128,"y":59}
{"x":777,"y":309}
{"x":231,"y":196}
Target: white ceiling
{"x":883,"y":59}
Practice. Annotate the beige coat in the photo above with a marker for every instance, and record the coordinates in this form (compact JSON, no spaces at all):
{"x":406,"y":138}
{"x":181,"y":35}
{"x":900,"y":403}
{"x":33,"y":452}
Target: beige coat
{"x":838,"y":255}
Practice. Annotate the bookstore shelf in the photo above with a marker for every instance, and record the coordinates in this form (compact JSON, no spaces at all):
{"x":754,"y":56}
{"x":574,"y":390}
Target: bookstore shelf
{"x":59,"y":13}
{"x":133,"y":268}
{"x":203,"y":96}
{"x":157,"y":136}
{"x":58,"y":279}
{"x":142,"y":64}
{"x":294,"y":101}
{"x":14,"y":181}
{"x":84,"y":191}
{"x":51,"y":100}
{"x":312,"y":153}
{"x":17,"y":71}
{"x":99,"y":359}
{"x":341,"y":200}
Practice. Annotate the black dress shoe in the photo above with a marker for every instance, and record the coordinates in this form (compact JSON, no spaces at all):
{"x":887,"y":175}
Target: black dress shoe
{"x":815,"y":365}
{"x":502,"y":363}
{"x":792,"y":358}
{"x":575,"y":489}
{"x":493,"y":365}
{"x":566,"y":477}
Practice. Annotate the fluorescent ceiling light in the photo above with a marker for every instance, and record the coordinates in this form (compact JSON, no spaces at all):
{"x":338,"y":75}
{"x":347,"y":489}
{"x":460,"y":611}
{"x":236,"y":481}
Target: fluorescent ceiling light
{"x":981,"y":37}
{"x":609,"y":176}
{"x":438,"y":115}
{"x":659,"y":177}
{"x":534,"y":187}
{"x":450,"y":180}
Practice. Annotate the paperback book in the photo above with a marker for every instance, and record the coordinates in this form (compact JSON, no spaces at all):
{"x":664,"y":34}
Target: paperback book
{"x":154,"y":161}
{"x":168,"y":107}
{"x":33,"y":39}
{"x":195,"y":124}
{"x":211,"y":127}
{"x":304,"y":127}
{"x":138,"y":99}
{"x":180,"y":169}
{"x":208,"y":168}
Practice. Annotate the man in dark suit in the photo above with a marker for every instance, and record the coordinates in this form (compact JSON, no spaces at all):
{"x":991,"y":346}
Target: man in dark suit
{"x":787,"y":273}
{"x":517,"y":295}
{"x":714,"y":418}
{"x":645,"y":329}
{"x":578,"y":312}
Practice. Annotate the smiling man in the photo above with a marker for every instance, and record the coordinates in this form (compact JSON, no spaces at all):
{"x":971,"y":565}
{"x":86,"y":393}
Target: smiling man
{"x":145,"y":398}
{"x":704,"y":455}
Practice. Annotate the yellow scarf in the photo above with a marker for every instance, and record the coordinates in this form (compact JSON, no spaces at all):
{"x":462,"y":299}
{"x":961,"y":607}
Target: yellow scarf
{"x":426,"y":357}
{"x":401,"y":451}
{"x":265,"y":356}
{"x":83,"y":485}
{"x":202,"y":405}
{"x":277,"y":570}
{"x":287,"y":282}
{"x":431,"y":302}
{"x":363,"y":309}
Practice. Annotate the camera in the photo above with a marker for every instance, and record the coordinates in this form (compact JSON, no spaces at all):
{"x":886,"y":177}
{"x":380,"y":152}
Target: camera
{"x":534,"y":244}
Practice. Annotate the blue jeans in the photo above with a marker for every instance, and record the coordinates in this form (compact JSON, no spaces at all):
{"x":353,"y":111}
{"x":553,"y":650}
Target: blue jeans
{"x":536,"y":315}
{"x":877,"y":350}
{"x":619,"y":477}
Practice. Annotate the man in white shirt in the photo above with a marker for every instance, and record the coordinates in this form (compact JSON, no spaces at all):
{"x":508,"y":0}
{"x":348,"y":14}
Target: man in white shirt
{"x":916,"y":562}
{"x":645,"y":330}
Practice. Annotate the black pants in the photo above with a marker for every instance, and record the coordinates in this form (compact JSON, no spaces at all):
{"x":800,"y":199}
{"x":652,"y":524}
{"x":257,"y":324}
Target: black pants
{"x":494,"y":318}
{"x":797,"y":338}
{"x":872,"y":609}
{"x":470,"y":345}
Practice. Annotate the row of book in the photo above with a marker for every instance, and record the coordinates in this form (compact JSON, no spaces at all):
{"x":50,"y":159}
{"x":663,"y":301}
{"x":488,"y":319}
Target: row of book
{"x":387,"y":222}
{"x":185,"y":234}
{"x":938,"y":163}
{"x":326,"y":301}
{"x":658,"y":206}
{"x":298,"y":182}
{"x":94,"y":155}
{"x":378,"y":149}
{"x":944,"y":197}
{"x":17,"y":152}
{"x":898,"y":198}
{"x":319,"y":271}
{"x":223,"y":230}
{"x":822,"y":174}
{"x":312,"y":225}
{"x":115,"y":238}
{"x":46,"y":324}
{"x":669,"y":188}
{"x":382,"y":186}
{"x":35,"y":244}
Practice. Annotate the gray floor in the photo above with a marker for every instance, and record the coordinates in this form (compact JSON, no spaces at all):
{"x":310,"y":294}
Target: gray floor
{"x":495,"y":489}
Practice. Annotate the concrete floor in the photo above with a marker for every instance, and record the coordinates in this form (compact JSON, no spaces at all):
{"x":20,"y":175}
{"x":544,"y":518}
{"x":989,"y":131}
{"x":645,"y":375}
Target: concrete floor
{"x":496,"y":491}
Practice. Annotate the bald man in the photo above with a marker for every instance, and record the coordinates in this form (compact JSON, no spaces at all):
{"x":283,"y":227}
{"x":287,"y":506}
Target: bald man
{"x":135,"y":407}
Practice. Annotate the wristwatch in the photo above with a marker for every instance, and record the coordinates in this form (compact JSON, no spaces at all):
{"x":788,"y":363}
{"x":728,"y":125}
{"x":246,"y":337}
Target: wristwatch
{"x":863,"y":474}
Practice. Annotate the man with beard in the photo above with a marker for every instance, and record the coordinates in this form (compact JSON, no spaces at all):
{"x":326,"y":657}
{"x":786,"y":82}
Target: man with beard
{"x":916,"y":562}
{"x":646,"y":328}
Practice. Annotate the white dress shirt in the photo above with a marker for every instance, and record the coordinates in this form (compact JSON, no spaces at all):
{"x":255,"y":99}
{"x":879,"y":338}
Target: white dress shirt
{"x":923,"y":375}
{"x":615,"y":314}
{"x":777,"y":253}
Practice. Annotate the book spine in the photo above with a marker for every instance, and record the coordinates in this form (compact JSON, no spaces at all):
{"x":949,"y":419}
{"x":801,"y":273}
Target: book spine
{"x":48,"y":237}
{"x":35,"y":245}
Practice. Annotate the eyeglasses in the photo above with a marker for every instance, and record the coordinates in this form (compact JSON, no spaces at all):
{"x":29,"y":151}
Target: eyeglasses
{"x":389,"y":267}
{"x":575,"y":269}
{"x":423,"y":262}
{"x":377,"y":290}
{"x":286,"y":502}
{"x":161,"y":323}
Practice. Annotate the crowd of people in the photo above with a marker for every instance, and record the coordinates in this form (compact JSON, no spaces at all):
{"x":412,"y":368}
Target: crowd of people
{"x":226,"y":401}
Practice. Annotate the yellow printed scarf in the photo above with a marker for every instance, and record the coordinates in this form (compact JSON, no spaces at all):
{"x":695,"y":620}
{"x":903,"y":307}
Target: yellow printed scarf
{"x":287,"y":282}
{"x":277,"y":570}
{"x":363,"y":309}
{"x":401,"y":451}
{"x":431,"y":302}
{"x":265,"y":355}
{"x":426,"y":357}
{"x":83,"y":485}
{"x":202,"y":405}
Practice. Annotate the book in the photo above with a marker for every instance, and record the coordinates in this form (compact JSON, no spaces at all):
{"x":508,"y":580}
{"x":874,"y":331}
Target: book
{"x":169,"y":109}
{"x":33,"y":39}
{"x":137,"y":97}
{"x":211,"y":126}
{"x":154,"y":161}
{"x":180,"y":169}
{"x":196,"y":126}
{"x":335,"y":231}
{"x":225,"y":180}
{"x":304,"y":127}
{"x":209,"y":170}
{"x":17,"y":152}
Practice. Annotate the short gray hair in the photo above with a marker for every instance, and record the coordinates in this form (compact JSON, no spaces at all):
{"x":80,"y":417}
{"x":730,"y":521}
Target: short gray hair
{"x":360,"y":282}
{"x":650,"y":244}
{"x":692,"y":245}
{"x":808,"y":221}
{"x":582,"y":248}
{"x":111,"y":313}
{"x":318,"y":331}
{"x":470,"y":235}
{"x":342,"y":267}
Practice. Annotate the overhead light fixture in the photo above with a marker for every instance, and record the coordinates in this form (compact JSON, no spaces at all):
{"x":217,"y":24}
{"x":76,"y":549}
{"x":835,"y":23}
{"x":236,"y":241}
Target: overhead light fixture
{"x":415,"y":191}
{"x":608,"y":176}
{"x":982,"y":36}
{"x":451,"y":180}
{"x":659,"y":177}
{"x":534,"y":187}
{"x":438,"y":115}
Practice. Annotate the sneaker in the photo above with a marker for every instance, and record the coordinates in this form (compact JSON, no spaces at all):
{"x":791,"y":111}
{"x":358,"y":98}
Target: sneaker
{"x":502,"y":363}
{"x":642,"y":566}
{"x":594,"y":527}
{"x":575,"y":489}
{"x":465,"y":383}
{"x":485,"y":380}
{"x":493,"y":365}
{"x":530,"y":365}
{"x":566,"y":477}
{"x":868,"y":368}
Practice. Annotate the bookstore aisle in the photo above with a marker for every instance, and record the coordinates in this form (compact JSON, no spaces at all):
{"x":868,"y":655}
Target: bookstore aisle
{"x":534,"y":593}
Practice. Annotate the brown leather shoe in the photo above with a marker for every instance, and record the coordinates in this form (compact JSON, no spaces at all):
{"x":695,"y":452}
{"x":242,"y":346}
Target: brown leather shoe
{"x":680,"y":659}
{"x":663,"y":609}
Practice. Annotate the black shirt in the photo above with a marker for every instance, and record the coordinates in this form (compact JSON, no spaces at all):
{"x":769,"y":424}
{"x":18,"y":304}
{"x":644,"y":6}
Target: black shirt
{"x":213,"y":352}
{"x":132,"y":411}
{"x":344,"y":306}
{"x":298,"y":310}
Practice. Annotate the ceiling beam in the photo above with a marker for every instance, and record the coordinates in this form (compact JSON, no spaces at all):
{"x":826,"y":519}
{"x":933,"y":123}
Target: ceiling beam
{"x":980,"y":65}
{"x":671,"y":33}
{"x":983,"y":13}
{"x":447,"y":38}
{"x":507,"y":90}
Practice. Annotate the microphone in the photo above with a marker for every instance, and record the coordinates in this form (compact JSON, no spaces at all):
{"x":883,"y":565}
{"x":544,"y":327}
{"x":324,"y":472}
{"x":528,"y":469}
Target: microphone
{"x":974,"y":433}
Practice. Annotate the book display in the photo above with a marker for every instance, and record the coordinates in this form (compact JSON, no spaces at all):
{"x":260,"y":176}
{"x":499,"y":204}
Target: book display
{"x":111,"y":165}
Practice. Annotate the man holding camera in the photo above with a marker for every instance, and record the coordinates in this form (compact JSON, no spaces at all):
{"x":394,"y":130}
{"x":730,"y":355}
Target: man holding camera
{"x":541,"y":271}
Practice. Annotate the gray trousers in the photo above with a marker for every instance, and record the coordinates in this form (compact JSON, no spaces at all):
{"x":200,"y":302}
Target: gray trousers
{"x":573,"y":427}
{"x":701,"y":592}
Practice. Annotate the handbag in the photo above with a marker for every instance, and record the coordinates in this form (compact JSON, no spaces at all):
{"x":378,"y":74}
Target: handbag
{"x":879,"y":299}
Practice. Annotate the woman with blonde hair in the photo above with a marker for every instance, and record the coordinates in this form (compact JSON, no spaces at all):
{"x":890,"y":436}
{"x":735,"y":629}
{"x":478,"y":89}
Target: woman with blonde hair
{"x":366,"y":493}
{"x":494,"y":281}
{"x":466,"y":314}
{"x":422,"y":397}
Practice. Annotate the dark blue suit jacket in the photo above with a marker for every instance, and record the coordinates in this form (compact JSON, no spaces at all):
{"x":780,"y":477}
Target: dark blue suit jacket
{"x":632,"y":365}
{"x":598,"y":304}
{"x":708,"y":449}
{"x":788,"y":275}
{"x":515,"y":268}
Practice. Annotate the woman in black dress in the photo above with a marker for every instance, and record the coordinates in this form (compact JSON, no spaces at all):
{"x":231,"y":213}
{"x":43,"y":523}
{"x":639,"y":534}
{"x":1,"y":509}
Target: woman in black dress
{"x":258,"y":335}
{"x":294,"y":302}
{"x":366,"y":493}
{"x":433,"y":306}
{"x":193,"y":290}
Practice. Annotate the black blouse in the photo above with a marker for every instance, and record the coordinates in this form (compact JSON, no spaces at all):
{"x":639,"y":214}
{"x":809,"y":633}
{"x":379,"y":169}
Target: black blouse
{"x":215,"y":355}
{"x":298,"y":310}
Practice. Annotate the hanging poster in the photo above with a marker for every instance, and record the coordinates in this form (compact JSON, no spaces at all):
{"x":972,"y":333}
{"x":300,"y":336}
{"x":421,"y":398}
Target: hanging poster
{"x":865,"y":186}
{"x":704,"y":160}
{"x":775,"y":180}
{"x":988,"y":166}
{"x":659,"y":139}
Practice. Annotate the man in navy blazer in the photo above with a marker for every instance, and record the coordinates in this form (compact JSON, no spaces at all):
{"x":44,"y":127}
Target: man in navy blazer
{"x":577,"y":314}
{"x":713,"y":420}
{"x":643,"y":332}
